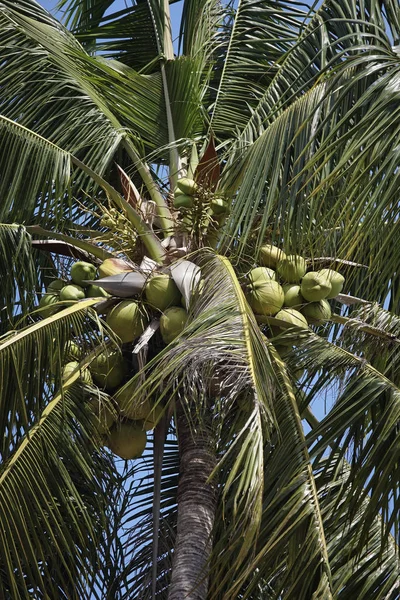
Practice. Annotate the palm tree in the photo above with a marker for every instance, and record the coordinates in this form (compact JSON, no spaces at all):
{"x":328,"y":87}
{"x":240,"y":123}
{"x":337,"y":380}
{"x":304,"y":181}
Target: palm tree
{"x":287,"y":120}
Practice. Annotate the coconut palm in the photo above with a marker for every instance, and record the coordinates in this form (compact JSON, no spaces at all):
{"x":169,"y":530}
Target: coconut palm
{"x":284,"y":123}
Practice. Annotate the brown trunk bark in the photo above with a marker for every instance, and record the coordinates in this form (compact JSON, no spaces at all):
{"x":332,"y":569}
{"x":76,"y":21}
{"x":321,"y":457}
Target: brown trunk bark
{"x":196,"y":512}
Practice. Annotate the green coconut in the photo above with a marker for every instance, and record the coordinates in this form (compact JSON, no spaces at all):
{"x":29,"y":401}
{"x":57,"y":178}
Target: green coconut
{"x":172,"y":323}
{"x":270,"y":255}
{"x":317,"y":312}
{"x":293,"y":295}
{"x":103,"y":416}
{"x":315,"y":286}
{"x":72,"y":366}
{"x":183,"y":201}
{"x":72,"y":292}
{"x":262,"y":273}
{"x":292,"y":316}
{"x":127,"y":440}
{"x":46,"y":302}
{"x":127,"y":320}
{"x":72,"y":350}
{"x":265,"y":297}
{"x":292,"y":268}
{"x":187,"y":186}
{"x":56,"y":285}
{"x":161,"y":291}
{"x":219,"y":206}
{"x":131,"y":405}
{"x":82,"y":270}
{"x":113,"y":266}
{"x":335,"y":279}
{"x":108,"y":370}
{"x":94,"y":291}
{"x":153,"y":417}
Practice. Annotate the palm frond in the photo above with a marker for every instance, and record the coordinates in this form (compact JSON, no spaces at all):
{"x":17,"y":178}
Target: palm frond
{"x":362,"y":426}
{"x":133,"y":35}
{"x":31,"y":363}
{"x":19,"y":280}
{"x":254,"y":42}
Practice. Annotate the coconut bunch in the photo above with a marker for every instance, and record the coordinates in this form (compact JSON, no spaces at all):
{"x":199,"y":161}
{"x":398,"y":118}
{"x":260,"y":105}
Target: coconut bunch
{"x":76,"y":288}
{"x":190,"y":197}
{"x":281,"y":287}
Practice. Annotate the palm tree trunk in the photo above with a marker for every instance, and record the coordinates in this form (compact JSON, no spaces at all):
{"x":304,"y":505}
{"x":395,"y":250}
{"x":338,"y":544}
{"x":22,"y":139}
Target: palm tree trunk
{"x":196,"y":512}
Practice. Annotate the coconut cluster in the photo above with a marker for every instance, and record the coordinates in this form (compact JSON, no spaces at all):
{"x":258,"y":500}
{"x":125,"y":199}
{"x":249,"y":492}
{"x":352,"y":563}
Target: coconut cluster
{"x":125,"y":422}
{"x":281,"y":287}
{"x":76,"y":288}
{"x":186,"y":193}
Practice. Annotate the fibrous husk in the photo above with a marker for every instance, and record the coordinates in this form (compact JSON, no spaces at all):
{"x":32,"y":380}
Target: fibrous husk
{"x":161,"y":291}
{"x":262,"y":273}
{"x":113,"y":266}
{"x":317,"y":312}
{"x":293,"y":295}
{"x":46,"y":302}
{"x":292,"y":316}
{"x":72,"y":292}
{"x":127,"y":440}
{"x":335,"y":279}
{"x":270,"y":255}
{"x":94,"y":291}
{"x":187,"y":186}
{"x":127,"y":320}
{"x":82,"y":270}
{"x":265,"y":297}
{"x":130,"y":403}
{"x":108,"y":369}
{"x":292,"y":268}
{"x":172,"y":323}
{"x":315,"y":286}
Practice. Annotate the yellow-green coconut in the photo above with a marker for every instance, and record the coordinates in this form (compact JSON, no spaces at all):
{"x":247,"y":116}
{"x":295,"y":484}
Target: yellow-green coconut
{"x":172,"y":323}
{"x":161,"y":291}
{"x":127,"y":320}
{"x":127,"y":440}
{"x":108,"y":369}
{"x":219,"y":206}
{"x":131,"y":405}
{"x":70,"y":367}
{"x":103,"y":416}
{"x":72,"y":350}
{"x":95,"y":291}
{"x":317,"y":312}
{"x":72,"y":292}
{"x":183,"y":201}
{"x":265,"y":297}
{"x":335,"y":279}
{"x":153,"y":417}
{"x":187,"y":186}
{"x":46,"y":302}
{"x":292,"y":316}
{"x":270,"y":255}
{"x":56,"y":285}
{"x":262,"y":273}
{"x":292,"y":268}
{"x":82,"y":270}
{"x":113,"y":266}
{"x":293,"y":295}
{"x":315,"y":286}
